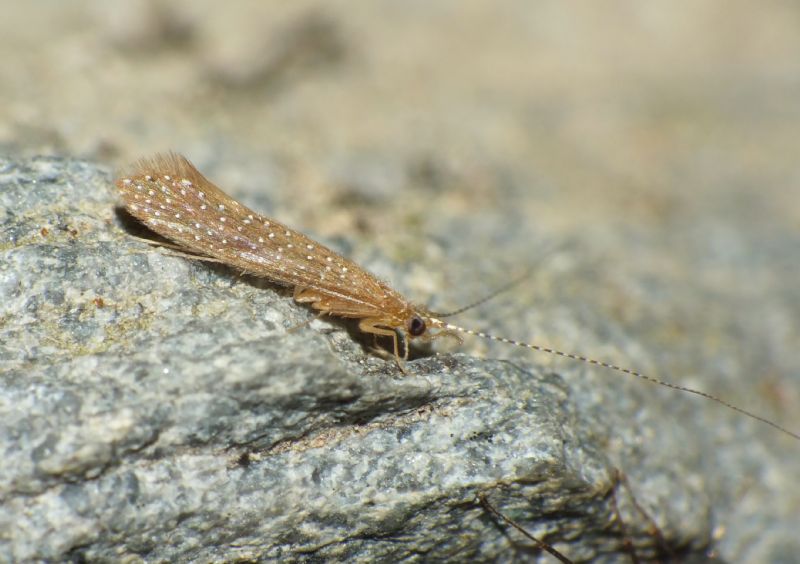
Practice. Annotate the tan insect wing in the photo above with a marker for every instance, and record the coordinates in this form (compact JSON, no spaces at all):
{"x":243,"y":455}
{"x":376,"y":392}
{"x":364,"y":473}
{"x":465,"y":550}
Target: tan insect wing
{"x":172,"y":198}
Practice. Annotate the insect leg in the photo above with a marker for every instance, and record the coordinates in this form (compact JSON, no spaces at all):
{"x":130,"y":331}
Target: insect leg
{"x":370,"y":325}
{"x":305,"y":323}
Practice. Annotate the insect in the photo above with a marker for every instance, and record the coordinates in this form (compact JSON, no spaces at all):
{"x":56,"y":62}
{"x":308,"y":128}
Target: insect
{"x":171,"y":197}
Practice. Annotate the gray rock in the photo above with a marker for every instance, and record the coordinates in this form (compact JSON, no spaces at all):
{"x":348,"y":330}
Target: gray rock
{"x":160,"y":409}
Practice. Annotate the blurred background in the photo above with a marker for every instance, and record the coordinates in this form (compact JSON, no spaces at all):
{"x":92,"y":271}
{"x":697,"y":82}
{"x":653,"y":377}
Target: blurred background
{"x":448,"y":145}
{"x":622,"y":109}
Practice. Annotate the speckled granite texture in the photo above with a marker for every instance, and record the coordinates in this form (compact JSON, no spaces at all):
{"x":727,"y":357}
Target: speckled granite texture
{"x":157,"y":408}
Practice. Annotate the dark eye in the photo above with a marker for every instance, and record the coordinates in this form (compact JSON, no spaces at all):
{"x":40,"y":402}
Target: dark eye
{"x":416,"y":326}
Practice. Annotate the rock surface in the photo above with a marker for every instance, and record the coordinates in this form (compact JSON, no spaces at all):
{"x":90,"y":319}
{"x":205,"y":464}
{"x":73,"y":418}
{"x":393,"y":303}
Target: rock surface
{"x":157,"y":408}
{"x":649,"y":176}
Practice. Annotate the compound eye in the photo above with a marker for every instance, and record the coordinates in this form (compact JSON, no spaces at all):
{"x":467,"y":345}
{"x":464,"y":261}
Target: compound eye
{"x":416,"y":326}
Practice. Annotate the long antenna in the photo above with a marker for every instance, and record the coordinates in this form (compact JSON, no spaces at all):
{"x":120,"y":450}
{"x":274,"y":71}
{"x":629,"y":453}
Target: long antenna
{"x":501,"y":290}
{"x":545,"y":254}
{"x":508,"y":520}
{"x":587,"y":360}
